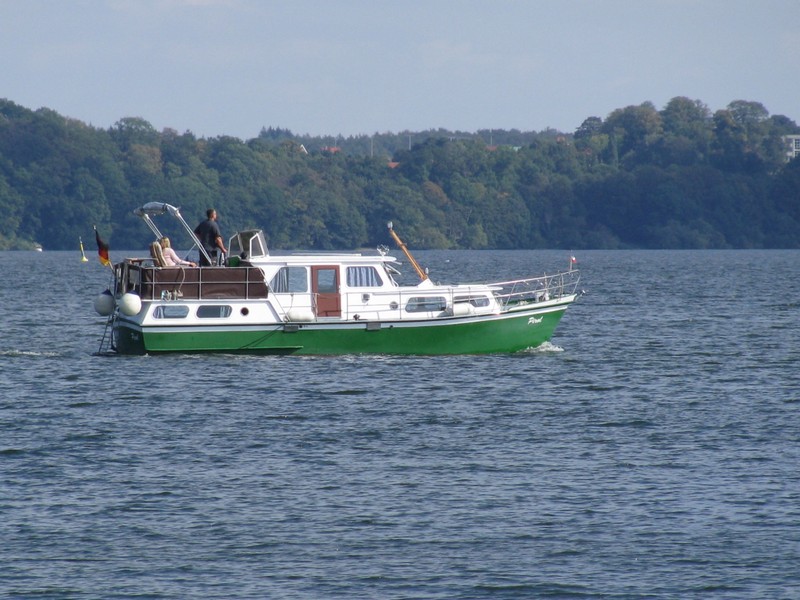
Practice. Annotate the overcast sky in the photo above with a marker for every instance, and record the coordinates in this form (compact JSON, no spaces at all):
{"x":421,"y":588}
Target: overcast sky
{"x":327,"y":67}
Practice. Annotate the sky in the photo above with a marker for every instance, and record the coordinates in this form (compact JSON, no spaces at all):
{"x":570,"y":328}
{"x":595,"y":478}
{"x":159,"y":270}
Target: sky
{"x":359,"y":67}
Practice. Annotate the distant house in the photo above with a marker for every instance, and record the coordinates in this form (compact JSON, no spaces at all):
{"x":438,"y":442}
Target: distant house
{"x":792,"y":146}
{"x":331,"y":149}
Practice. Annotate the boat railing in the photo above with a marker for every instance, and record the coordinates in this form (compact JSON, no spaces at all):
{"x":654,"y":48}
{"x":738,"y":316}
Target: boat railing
{"x":537,"y":289}
{"x":443,"y":302}
{"x":157,"y":283}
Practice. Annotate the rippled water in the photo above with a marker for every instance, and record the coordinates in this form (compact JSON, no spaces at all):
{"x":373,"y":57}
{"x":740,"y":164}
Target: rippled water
{"x":651,"y":451}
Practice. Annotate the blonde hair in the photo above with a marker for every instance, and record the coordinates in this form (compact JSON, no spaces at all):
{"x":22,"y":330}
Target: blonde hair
{"x":164,"y":242}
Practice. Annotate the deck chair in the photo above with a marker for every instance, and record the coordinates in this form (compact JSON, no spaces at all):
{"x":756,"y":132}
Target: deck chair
{"x":158,"y":255}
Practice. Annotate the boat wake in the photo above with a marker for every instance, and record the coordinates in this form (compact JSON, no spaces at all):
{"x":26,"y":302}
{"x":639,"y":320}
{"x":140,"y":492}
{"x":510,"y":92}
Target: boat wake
{"x":15,"y":353}
{"x":544,"y":348}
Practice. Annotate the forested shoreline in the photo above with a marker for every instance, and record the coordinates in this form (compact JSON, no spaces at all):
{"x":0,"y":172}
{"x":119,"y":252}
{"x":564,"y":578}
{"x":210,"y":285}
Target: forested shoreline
{"x":678,"y":177}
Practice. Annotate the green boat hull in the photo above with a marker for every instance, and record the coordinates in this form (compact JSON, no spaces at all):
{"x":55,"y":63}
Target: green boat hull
{"x":508,"y":332}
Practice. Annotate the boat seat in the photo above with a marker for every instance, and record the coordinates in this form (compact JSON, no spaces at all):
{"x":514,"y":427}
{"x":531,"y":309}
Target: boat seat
{"x":158,"y":255}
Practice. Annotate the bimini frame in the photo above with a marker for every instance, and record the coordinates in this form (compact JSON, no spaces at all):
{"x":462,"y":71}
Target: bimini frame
{"x":152,"y":209}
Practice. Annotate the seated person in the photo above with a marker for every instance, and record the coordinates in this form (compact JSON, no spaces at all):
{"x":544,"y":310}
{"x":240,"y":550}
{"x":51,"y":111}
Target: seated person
{"x":171,"y":258}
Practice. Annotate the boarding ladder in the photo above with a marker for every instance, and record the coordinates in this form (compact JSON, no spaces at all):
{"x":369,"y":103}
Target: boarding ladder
{"x":107,"y":346}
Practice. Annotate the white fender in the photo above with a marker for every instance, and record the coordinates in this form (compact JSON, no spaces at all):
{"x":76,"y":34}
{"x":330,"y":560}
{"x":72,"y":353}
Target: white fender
{"x":130,"y":304}
{"x":463,"y":309}
{"x":104,"y":303}
{"x":302,"y":315}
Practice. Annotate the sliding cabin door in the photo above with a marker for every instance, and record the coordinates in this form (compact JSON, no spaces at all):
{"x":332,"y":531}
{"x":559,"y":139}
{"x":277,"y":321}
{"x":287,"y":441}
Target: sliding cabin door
{"x":325,"y":287}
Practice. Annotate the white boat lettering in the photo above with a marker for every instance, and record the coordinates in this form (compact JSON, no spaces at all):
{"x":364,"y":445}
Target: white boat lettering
{"x":534,"y":320}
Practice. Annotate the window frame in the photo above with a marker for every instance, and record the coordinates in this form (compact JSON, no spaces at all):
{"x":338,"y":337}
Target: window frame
{"x":289,"y":281}
{"x":220,"y":309}
{"x":367,"y":274}
{"x":161,"y":311}
{"x":423,"y":304}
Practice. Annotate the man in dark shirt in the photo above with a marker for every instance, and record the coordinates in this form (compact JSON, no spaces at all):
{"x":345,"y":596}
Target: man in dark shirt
{"x":210,"y":237}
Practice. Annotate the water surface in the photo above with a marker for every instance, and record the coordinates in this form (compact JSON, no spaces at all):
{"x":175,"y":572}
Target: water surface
{"x":650,"y":451}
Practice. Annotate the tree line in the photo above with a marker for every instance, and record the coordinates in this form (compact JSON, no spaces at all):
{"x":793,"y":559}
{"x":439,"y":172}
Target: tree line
{"x":679,"y":177}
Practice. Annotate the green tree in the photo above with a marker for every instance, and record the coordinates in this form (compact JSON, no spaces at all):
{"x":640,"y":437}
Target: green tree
{"x":632,"y":128}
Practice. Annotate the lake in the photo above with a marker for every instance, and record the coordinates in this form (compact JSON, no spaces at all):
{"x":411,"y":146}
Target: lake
{"x":651,"y":450}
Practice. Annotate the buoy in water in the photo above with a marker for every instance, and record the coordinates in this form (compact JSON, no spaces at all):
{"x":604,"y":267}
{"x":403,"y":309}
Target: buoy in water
{"x":130,"y":304}
{"x":104,"y":303}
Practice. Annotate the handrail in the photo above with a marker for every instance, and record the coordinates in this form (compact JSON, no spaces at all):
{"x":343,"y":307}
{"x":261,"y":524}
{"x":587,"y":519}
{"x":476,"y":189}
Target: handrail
{"x":504,"y":295}
{"x":196,"y":287}
{"x":545,"y":287}
{"x":516,"y":293}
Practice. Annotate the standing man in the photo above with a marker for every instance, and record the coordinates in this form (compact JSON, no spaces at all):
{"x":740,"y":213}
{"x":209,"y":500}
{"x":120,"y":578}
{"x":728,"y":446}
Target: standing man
{"x":210,"y":237}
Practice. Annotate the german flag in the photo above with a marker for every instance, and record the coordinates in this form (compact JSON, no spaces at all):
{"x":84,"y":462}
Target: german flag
{"x":102,"y":249}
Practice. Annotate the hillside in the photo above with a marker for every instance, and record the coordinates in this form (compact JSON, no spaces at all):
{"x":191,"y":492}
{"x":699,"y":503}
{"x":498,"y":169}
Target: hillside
{"x":679,"y":177}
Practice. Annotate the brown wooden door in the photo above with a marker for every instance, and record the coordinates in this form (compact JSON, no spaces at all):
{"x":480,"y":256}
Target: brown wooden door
{"x":325,"y":287}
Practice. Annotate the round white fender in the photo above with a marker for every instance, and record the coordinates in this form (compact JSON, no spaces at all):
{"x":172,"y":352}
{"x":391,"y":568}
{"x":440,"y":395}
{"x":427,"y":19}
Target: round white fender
{"x":104,"y":303}
{"x":130,"y":304}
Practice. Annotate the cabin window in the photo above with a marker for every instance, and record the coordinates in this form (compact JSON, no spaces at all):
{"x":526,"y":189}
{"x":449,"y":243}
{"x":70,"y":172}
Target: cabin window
{"x":426,"y":304}
{"x":171,"y":311}
{"x":363,"y":277}
{"x":213,"y":311}
{"x":476,"y":301}
{"x":290,"y":280}
{"x":256,"y":249}
{"x":326,"y":280}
